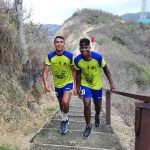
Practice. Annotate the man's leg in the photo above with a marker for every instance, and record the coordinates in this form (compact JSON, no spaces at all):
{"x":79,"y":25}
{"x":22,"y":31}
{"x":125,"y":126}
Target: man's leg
{"x":60,"y":104}
{"x":86,"y":95}
{"x":98,"y":106}
{"x":65,"y":107}
{"x":87,"y":116}
{"x":97,"y":99}
{"x":65,"y":104}
{"x":87,"y":111}
{"x":59,"y":95}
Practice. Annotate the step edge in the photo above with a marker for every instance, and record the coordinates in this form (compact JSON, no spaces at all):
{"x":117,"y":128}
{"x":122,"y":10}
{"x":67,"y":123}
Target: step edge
{"x":75,"y":121}
{"x":93,"y":132}
{"x":90,"y":148}
{"x":47,"y":121}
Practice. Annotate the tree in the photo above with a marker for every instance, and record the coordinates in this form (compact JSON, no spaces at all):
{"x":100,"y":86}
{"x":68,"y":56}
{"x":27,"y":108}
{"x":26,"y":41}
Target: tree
{"x":24,"y":46}
{"x":26,"y":64}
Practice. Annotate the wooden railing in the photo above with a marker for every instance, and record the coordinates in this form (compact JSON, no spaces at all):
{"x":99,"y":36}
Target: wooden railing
{"x":142,"y":117}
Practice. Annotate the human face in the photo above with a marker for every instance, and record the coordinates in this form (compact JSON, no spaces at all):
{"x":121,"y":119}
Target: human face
{"x":59,"y":44}
{"x":85,"y":50}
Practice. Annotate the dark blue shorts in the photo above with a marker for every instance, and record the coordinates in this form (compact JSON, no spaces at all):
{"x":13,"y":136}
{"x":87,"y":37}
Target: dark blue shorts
{"x":90,"y":93}
{"x":60,"y":91}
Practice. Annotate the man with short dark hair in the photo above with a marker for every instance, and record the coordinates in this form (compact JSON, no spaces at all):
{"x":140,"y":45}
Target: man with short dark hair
{"x":61,"y":63}
{"x":89,"y":81}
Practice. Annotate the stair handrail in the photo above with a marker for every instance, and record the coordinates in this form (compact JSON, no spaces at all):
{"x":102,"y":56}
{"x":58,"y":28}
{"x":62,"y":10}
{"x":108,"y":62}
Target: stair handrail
{"x":143,"y":98}
{"x":142,"y":114}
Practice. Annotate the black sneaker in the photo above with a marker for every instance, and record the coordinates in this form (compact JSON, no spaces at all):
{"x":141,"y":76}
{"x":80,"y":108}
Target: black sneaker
{"x":67,"y":121}
{"x":87,"y":132}
{"x":64,"y":127}
{"x":97,"y":122}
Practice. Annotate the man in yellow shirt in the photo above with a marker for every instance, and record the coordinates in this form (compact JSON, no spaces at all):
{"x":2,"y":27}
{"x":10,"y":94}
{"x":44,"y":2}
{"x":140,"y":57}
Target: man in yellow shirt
{"x":61,"y":63}
{"x":89,"y":81}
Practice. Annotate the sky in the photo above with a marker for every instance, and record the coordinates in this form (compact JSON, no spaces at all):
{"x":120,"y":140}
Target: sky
{"x":57,"y":11}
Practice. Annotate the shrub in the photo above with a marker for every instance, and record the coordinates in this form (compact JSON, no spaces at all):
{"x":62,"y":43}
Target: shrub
{"x":4,"y":147}
{"x":143,"y":72}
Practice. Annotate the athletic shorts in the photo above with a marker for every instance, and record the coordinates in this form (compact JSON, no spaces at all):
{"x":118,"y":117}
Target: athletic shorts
{"x":60,"y":91}
{"x":90,"y":93}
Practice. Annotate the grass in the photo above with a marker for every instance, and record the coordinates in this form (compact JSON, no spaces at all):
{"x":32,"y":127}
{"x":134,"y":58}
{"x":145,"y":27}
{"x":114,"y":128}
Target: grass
{"x":143,"y":73}
{"x":102,"y":39}
{"x":4,"y":147}
{"x":51,"y":109}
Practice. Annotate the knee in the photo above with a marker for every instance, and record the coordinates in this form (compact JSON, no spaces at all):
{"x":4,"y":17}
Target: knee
{"x":65,"y":103}
{"x":87,"y":106}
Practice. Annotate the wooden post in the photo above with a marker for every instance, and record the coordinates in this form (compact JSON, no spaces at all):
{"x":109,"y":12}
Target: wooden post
{"x":108,"y":108}
{"x":142,"y":126}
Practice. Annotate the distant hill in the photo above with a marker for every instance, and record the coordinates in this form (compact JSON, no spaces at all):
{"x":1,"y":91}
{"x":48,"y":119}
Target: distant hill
{"x":133,"y":16}
{"x":51,"y":27}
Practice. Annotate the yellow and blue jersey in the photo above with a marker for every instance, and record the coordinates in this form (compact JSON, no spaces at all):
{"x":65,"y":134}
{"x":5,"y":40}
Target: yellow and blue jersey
{"x":91,"y":71}
{"x":61,"y":67}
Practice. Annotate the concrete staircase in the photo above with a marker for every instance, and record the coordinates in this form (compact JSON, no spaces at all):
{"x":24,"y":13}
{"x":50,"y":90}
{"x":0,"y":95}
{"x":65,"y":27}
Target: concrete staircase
{"x":49,"y":137}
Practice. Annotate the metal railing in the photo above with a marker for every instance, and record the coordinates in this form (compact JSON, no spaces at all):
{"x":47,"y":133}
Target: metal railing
{"x":142,"y":117}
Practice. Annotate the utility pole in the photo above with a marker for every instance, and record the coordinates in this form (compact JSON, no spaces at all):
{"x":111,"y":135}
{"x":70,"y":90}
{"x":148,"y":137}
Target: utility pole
{"x":143,"y":14}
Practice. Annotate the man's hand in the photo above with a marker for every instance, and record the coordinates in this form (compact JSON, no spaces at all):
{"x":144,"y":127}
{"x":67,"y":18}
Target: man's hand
{"x":79,"y":93}
{"x":112,"y":87}
{"x":47,"y":87}
{"x":45,"y":78}
{"x":74,"y":91}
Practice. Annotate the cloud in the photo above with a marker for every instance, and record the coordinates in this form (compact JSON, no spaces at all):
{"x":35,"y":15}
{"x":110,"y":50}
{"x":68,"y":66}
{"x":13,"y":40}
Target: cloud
{"x":56,"y":11}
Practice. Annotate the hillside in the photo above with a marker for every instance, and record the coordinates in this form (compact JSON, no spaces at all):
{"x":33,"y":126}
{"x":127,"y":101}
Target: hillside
{"x":131,"y":40}
{"x":133,"y":16}
{"x":126,"y":49}
{"x":23,"y":110}
{"x":124,"y":41}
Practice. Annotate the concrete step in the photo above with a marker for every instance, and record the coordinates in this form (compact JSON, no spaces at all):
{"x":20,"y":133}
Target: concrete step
{"x":95,"y":140}
{"x":80,"y":113}
{"x":60,"y":147}
{"x":78,"y":103}
{"x":75,"y":108}
{"x":75,"y":125}
{"x":78,"y":108}
{"x":80,"y":118}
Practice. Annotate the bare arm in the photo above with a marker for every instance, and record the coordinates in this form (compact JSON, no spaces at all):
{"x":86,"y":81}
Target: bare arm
{"x":45,"y":78}
{"x":78,"y":82}
{"x":108,"y":75}
{"x":74,"y":79}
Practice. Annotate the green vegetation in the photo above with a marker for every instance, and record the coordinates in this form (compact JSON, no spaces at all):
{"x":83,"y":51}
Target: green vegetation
{"x":118,"y":31}
{"x":130,"y":28}
{"x":102,"y":39}
{"x":143,"y":73}
{"x":94,"y":16}
{"x":4,"y":147}
{"x":51,"y":109}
